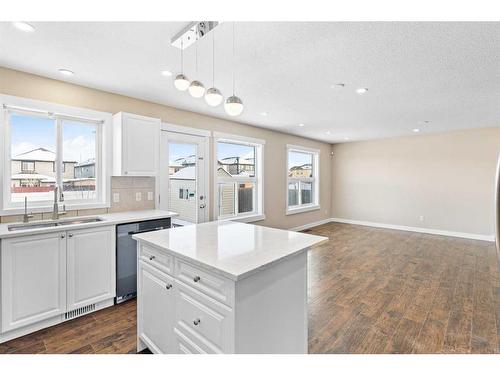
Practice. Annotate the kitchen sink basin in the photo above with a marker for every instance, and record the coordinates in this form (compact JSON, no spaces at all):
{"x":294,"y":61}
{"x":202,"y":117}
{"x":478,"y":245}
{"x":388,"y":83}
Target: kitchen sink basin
{"x":53,"y":223}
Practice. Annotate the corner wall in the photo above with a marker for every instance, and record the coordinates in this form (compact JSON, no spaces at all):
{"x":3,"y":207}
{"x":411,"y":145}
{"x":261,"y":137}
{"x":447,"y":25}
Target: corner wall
{"x":442,"y":182}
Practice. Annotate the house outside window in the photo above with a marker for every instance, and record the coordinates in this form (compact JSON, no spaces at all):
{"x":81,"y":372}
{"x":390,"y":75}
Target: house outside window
{"x":302,"y":179}
{"x":48,"y":149}
{"x":238,"y":177}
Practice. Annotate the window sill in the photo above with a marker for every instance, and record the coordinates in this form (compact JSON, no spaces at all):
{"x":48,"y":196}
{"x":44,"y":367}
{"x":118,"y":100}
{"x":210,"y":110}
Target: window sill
{"x":301,"y":209}
{"x":245,"y":219}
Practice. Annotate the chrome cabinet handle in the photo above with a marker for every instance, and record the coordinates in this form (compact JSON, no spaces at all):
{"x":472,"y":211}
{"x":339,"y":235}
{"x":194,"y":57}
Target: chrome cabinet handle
{"x":63,"y":236}
{"x":196,"y":279}
{"x":152,"y":257}
{"x":196,"y":322}
{"x":168,"y":286}
{"x":70,"y":235}
{"x":203,"y":205}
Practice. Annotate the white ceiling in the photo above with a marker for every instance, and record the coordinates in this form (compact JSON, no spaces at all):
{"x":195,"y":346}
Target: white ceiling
{"x":446,"y":73}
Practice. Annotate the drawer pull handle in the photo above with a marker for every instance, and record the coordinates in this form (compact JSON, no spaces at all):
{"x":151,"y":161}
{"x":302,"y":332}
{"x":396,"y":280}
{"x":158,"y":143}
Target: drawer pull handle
{"x":196,"y":279}
{"x":196,"y":322}
{"x":168,"y":286}
{"x":151,"y":257}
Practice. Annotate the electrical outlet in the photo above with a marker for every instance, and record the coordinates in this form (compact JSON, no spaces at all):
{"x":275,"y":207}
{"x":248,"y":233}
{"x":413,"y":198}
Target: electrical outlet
{"x":422,"y":218}
{"x":138,"y":196}
{"x":116,"y":197}
{"x":150,"y":195}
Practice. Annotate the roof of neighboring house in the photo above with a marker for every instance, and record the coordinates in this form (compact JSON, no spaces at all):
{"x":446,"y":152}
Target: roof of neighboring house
{"x":304,"y":166}
{"x":39,"y":154}
{"x":86,"y":163}
{"x":188,"y":173}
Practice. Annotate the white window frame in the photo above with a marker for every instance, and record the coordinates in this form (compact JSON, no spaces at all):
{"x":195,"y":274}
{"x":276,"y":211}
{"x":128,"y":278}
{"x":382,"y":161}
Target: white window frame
{"x":258,"y":181}
{"x":103,"y":120}
{"x":315,"y":205}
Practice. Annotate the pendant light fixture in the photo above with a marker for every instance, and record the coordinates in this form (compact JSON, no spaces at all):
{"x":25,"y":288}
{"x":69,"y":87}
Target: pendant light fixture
{"x":213,"y":97}
{"x":196,"y":88}
{"x":233,"y":105}
{"x":181,"y":82}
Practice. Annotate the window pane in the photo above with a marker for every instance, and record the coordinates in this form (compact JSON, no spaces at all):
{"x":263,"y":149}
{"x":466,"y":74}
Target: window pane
{"x":33,"y":152}
{"x":245,"y":197}
{"x":182,"y":181}
{"x":306,"y":192}
{"x":235,"y":160}
{"x":293,"y":193}
{"x":227,"y":198}
{"x":300,"y":164}
{"x":79,"y":160}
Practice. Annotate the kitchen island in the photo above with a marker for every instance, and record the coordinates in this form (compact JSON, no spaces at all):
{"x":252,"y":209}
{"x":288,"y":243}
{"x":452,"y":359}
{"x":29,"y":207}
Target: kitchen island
{"x":223,"y":287}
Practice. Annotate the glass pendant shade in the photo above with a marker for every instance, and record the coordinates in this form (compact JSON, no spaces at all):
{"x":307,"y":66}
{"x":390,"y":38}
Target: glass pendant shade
{"x":181,"y":82}
{"x":213,"y":97}
{"x":196,"y":89}
{"x":233,"y":106}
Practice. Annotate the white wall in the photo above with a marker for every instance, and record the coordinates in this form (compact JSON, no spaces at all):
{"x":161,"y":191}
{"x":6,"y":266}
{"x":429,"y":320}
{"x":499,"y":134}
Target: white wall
{"x":447,"y":178}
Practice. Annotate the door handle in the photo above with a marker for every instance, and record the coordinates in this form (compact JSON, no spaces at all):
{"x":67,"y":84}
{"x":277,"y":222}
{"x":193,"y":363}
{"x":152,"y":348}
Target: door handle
{"x":203,"y":205}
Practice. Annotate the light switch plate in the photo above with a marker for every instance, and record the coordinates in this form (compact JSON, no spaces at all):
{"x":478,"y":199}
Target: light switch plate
{"x":116,"y":197}
{"x":150,"y":195}
{"x":138,"y":196}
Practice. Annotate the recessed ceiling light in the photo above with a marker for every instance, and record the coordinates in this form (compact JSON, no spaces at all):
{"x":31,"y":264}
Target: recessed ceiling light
{"x":166,"y":73}
{"x":362,"y":90}
{"x":346,"y":138}
{"x":328,"y":132}
{"x":338,"y":86}
{"x":24,"y":26}
{"x":416,"y":130}
{"x":302,"y":125}
{"x":264,"y":113}
{"x":66,"y":72}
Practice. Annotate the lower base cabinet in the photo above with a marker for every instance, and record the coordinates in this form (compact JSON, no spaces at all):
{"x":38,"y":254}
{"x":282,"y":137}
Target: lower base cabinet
{"x":184,"y":308}
{"x":49,"y":278}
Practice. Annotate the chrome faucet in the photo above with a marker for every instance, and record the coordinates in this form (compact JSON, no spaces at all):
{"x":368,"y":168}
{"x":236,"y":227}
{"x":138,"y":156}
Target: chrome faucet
{"x":55,"y":210}
{"x":26,"y":217}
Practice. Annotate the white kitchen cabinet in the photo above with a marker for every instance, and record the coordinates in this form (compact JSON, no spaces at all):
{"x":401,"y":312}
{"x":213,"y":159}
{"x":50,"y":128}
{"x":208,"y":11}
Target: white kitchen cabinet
{"x":156,"y":313}
{"x":136,"y":145}
{"x":33,"y":279}
{"x":50,"y":278}
{"x":90,"y":266}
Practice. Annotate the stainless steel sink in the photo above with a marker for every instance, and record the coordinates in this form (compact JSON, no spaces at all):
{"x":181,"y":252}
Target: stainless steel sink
{"x":53,"y":223}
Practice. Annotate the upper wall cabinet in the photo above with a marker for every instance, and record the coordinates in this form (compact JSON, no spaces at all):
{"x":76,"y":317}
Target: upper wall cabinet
{"x":136,"y":145}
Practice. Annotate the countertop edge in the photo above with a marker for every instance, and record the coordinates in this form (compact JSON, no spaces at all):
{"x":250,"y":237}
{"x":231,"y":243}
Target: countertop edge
{"x":142,"y":215}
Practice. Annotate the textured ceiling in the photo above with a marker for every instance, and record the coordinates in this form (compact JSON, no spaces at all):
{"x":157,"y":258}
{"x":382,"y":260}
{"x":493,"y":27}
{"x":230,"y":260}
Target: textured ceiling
{"x":446,"y":73}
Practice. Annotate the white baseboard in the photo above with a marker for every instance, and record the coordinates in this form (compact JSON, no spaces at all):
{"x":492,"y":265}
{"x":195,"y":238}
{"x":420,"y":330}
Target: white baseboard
{"x":482,"y":237}
{"x":311,"y":225}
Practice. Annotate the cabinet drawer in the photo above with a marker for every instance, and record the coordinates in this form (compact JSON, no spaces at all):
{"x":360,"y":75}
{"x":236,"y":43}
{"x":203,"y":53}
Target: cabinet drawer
{"x":156,"y":258}
{"x":209,"y":283}
{"x":207,"y":320}
{"x":184,"y":345}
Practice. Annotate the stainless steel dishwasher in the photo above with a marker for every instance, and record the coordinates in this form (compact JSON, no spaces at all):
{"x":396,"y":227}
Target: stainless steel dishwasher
{"x":126,"y":255}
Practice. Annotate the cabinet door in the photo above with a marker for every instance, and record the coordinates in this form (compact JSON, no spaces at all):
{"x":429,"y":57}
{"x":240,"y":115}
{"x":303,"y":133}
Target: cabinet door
{"x":33,"y":278}
{"x":91,"y":266}
{"x":155,"y":309}
{"x":141,"y":145}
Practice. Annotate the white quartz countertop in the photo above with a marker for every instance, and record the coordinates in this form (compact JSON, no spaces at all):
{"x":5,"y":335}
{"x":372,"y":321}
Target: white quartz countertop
{"x":107,"y":219}
{"x":233,"y":249}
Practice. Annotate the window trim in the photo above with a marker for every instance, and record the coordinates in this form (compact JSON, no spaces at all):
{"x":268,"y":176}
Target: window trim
{"x":258,"y":203}
{"x":61,"y":112}
{"x":315,"y":205}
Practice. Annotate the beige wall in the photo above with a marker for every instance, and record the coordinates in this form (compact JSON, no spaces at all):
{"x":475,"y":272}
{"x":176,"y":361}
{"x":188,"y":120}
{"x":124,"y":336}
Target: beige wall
{"x":41,"y":88}
{"x":447,"y":178}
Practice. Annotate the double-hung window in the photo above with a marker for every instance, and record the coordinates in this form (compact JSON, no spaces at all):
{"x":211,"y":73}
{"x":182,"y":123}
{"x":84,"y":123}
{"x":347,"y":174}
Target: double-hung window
{"x":238,"y":176}
{"x":44,"y":149}
{"x":302,"y":179}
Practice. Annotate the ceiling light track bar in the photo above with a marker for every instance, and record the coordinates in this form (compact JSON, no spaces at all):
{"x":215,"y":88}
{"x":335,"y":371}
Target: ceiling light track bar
{"x":192,"y":33}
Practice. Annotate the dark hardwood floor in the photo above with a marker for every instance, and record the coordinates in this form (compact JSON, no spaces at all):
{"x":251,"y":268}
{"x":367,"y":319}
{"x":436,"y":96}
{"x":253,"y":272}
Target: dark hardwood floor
{"x":370,"y":291}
